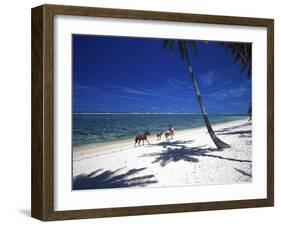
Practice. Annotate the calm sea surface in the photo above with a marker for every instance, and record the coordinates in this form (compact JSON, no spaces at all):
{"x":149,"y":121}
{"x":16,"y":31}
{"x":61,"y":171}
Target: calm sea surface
{"x":96,"y":128}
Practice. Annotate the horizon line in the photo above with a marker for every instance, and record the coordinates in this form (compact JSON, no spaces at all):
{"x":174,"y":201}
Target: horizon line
{"x":184,"y":113}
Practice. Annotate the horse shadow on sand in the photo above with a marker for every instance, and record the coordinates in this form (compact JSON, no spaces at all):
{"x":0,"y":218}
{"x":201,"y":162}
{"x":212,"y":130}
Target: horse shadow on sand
{"x":100,"y":179}
{"x":178,"y":151}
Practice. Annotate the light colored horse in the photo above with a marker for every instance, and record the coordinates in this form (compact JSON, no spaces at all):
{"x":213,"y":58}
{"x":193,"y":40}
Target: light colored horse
{"x":169,"y":133}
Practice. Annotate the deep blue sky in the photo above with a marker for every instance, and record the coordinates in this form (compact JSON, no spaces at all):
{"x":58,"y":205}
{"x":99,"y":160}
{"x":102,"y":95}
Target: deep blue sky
{"x":119,"y":74}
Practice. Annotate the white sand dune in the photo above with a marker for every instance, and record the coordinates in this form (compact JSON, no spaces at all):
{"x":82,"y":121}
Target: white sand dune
{"x":189,"y":159}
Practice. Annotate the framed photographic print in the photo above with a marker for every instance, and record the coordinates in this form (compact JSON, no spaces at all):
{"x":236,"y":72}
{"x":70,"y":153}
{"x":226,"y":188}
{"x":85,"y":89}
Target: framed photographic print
{"x":141,"y":112}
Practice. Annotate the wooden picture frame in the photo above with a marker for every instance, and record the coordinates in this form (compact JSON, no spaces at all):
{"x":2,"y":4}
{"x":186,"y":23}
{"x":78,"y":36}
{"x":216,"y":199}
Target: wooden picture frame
{"x":43,"y":107}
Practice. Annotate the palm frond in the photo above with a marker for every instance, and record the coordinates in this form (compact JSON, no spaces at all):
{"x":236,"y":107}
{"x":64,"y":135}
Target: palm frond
{"x":243,"y":67}
{"x":242,"y":54}
{"x":249,"y":74}
{"x":237,"y":58}
{"x":193,"y":46}
{"x":182,"y":49}
{"x":168,"y":44}
{"x":182,"y":46}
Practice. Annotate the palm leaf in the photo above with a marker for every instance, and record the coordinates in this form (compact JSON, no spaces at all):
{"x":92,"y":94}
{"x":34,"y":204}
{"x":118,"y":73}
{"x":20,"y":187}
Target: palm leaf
{"x":168,"y":44}
{"x":193,"y":46}
{"x":182,"y":49}
{"x":243,"y":68}
{"x":242,"y":54}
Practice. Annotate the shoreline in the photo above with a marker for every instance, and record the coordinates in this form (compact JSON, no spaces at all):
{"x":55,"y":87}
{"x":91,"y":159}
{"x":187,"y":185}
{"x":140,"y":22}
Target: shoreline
{"x":92,"y":148}
{"x":190,"y":158}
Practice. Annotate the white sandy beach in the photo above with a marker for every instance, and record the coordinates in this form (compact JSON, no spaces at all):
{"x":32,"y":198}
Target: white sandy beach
{"x":190,"y":158}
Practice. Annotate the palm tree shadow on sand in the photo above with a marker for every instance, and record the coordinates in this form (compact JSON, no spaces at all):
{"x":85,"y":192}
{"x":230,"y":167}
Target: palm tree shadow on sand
{"x":241,"y":133}
{"x":244,"y":173}
{"x":177,"y":151}
{"x":100,"y":179}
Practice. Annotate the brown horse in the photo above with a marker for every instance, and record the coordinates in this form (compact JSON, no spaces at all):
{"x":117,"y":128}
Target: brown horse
{"x":142,"y":137}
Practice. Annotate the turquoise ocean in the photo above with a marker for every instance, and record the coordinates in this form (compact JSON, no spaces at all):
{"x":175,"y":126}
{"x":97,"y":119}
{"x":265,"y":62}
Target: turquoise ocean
{"x":91,"y":128}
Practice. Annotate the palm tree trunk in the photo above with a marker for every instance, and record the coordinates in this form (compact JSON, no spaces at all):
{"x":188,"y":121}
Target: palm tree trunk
{"x":219,"y":143}
{"x":185,"y":56}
